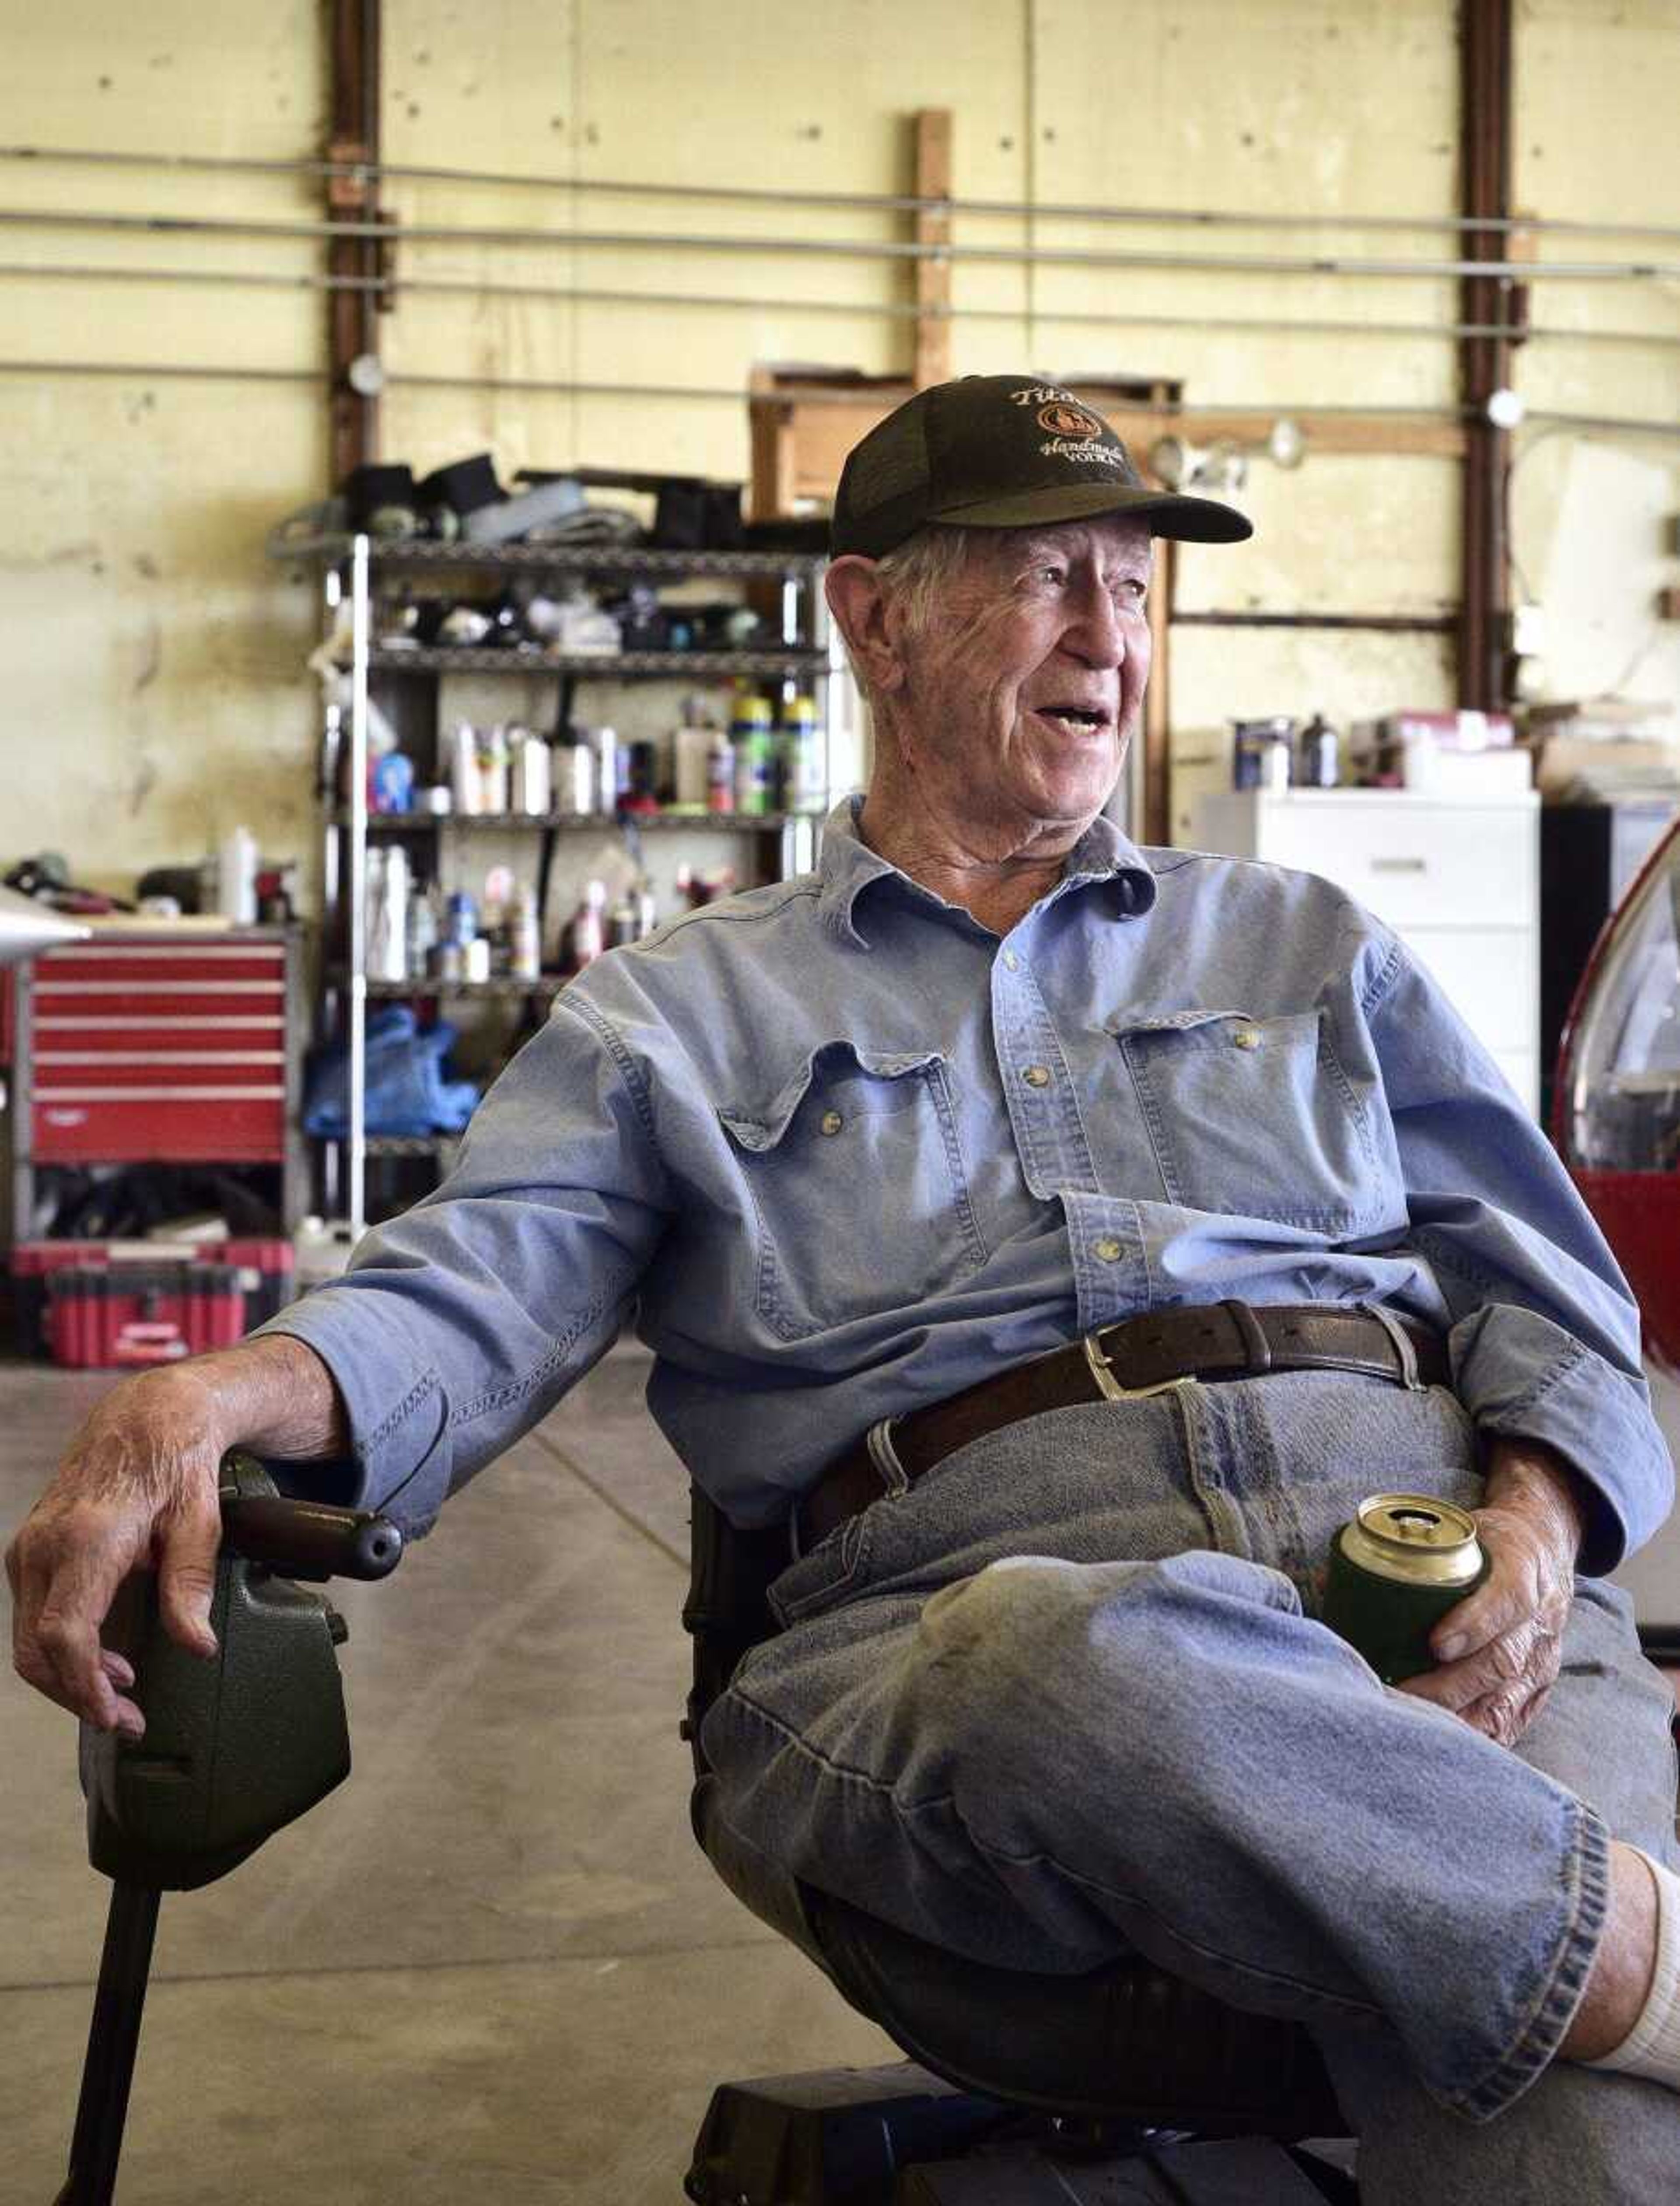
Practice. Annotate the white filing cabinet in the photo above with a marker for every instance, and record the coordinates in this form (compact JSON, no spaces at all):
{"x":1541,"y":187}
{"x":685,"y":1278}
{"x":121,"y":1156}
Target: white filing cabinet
{"x":1456,"y":878}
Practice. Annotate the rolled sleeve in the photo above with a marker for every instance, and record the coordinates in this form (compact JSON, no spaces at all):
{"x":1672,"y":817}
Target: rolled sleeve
{"x":1545,"y":1332}
{"x":1521,"y":1376}
{"x":462,"y":1322}
{"x":396,"y":1408}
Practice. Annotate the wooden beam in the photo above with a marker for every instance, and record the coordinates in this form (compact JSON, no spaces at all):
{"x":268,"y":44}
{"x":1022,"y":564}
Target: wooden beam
{"x":932,"y":276}
{"x":1485,"y":171}
{"x":1156,"y":824}
{"x":352,"y":136}
{"x":817,"y":425}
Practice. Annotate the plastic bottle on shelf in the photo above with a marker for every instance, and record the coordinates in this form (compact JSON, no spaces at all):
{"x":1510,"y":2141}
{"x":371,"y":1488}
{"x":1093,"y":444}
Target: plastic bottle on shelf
{"x":586,"y":935}
{"x":691,"y":752}
{"x":801,"y":763}
{"x":750,"y":722}
{"x":492,"y":764}
{"x":237,"y":876}
{"x":464,"y":784}
{"x":719,"y":774}
{"x":530,"y":778}
{"x":524,"y":936}
{"x":387,"y":904}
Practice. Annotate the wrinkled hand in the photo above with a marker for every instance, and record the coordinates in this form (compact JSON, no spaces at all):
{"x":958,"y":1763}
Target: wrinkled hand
{"x":1499,"y":1649}
{"x":137,"y":1489}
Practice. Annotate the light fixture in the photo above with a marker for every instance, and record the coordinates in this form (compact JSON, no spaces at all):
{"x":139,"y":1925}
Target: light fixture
{"x":1286,"y":446}
{"x":365,"y":375}
{"x":1182,"y":466}
{"x":1504,"y":407}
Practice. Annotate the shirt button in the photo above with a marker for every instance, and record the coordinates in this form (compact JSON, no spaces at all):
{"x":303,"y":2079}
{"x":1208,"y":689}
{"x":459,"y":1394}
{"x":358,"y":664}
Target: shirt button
{"x":1037,"y":1076}
{"x":1246,"y":1038}
{"x":1012,"y":961}
{"x":831,"y":1122}
{"x":1109,"y":1251}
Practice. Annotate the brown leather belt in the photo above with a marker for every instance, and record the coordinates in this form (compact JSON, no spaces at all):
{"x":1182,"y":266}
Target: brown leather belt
{"x":1212,"y":1341}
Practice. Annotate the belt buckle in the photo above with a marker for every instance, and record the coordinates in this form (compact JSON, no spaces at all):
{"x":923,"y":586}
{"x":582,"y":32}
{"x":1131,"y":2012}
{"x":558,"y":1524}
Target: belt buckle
{"x":1102,"y":1372}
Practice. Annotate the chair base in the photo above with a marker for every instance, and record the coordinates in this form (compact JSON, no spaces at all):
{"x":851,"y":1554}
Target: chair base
{"x":898,"y":2136}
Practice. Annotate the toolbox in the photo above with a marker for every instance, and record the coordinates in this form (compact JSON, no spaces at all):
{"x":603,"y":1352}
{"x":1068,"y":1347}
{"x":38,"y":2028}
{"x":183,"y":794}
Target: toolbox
{"x":102,"y":1304}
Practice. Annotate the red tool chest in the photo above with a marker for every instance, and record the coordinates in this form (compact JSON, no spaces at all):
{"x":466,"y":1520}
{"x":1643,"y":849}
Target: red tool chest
{"x":170,"y":1045}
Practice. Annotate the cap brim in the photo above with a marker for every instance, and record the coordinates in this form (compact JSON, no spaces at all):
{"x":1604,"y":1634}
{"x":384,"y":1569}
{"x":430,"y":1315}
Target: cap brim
{"x":1169,"y":513}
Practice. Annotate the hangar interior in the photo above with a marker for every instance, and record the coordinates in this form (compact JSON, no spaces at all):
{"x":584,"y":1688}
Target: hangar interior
{"x":419,"y":424}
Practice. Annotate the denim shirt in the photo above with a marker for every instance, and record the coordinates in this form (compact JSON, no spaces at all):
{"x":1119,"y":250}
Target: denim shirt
{"x":843,"y":1151}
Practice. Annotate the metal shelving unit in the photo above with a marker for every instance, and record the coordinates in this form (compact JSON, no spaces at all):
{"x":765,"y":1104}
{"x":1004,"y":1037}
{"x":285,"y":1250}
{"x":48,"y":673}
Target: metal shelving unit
{"x":645,"y":823}
{"x":349,"y":566}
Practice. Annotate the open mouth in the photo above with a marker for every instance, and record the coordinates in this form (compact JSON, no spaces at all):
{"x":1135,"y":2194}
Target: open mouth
{"x":1075,"y":720}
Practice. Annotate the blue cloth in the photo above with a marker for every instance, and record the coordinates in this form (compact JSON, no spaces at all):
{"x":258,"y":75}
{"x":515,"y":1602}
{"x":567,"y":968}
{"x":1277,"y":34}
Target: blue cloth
{"x":1069,"y":1698}
{"x":406,"y":1092}
{"x":849,"y":1151}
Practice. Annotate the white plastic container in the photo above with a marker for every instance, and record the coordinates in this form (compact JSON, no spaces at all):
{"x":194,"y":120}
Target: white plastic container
{"x":237,"y":876}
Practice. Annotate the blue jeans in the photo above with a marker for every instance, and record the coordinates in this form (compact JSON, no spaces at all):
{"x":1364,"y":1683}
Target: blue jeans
{"x":1066,"y":1696}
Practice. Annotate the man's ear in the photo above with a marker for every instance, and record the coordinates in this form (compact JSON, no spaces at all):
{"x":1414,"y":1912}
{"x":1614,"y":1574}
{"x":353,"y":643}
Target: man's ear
{"x":860,"y":607}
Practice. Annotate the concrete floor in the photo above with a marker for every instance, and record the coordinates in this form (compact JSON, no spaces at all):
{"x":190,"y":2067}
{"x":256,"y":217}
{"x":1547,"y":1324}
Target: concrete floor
{"x":493,"y":1963}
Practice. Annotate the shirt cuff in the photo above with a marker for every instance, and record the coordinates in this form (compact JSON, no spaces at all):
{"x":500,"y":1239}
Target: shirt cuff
{"x":398,"y":1409}
{"x":1520,"y":1375}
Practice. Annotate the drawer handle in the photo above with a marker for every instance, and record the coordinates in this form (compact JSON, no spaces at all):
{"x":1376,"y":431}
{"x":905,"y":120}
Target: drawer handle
{"x":1399,"y":865}
{"x":47,"y":1096}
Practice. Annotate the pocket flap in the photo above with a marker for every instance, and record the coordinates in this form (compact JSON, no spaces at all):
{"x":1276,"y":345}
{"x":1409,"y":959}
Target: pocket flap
{"x":1244,"y":1030}
{"x":867,"y":1075}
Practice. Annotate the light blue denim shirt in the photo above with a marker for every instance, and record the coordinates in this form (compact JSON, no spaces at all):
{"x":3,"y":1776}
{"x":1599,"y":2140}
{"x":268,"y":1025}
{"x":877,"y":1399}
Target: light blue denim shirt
{"x":845,"y":1151}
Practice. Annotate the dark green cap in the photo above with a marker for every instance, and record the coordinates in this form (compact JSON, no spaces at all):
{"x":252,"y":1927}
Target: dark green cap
{"x":1002,"y":451}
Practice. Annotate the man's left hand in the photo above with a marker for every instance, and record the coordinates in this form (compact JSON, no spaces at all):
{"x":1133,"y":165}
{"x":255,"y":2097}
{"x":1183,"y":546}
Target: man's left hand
{"x":1500,"y":1648}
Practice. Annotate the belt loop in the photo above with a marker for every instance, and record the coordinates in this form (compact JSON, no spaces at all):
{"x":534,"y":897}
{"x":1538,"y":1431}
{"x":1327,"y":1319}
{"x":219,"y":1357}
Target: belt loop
{"x":1255,"y":1345}
{"x":895,"y":1479}
{"x":1403,"y":1344}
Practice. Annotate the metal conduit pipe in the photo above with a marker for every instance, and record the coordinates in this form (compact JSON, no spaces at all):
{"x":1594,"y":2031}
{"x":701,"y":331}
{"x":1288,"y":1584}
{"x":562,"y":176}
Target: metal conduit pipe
{"x":893,"y":249}
{"x":882,"y":202}
{"x":164,"y":370}
{"x":891,"y":309}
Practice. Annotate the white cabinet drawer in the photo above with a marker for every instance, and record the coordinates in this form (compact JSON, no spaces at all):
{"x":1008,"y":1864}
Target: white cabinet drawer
{"x":1488,"y":972}
{"x":1414,"y":861}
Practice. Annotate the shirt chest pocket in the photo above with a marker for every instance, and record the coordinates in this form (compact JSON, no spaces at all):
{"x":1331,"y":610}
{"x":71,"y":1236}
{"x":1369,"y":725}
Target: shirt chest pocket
{"x":861,"y":1200}
{"x":1257,"y":1117}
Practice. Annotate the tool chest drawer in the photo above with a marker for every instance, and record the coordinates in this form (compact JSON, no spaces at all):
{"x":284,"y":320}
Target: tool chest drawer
{"x":132,"y":1048}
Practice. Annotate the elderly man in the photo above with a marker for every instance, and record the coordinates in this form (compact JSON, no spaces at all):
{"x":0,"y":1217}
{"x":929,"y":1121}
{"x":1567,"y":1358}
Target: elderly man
{"x":1067,"y":1236}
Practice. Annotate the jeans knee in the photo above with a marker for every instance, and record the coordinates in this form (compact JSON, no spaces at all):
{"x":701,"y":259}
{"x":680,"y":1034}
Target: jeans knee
{"x":1032,"y":1647}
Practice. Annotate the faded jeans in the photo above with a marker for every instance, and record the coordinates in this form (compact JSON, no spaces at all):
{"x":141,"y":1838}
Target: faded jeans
{"x":1067,"y":1698}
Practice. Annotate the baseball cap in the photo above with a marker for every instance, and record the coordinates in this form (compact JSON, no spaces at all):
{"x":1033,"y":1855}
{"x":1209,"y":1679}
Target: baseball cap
{"x":1002,"y":451}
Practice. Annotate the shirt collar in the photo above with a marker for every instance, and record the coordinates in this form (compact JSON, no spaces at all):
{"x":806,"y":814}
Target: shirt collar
{"x":849,"y":866}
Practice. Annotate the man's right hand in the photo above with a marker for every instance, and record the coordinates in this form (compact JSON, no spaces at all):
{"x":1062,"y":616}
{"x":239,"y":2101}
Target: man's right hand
{"x":138,"y":1489}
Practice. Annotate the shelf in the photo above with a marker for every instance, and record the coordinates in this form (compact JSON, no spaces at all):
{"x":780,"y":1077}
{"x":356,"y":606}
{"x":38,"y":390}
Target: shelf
{"x":641,"y":823}
{"x":408,"y":1145}
{"x":550,"y":985}
{"x":555,"y":558}
{"x":674,"y":666}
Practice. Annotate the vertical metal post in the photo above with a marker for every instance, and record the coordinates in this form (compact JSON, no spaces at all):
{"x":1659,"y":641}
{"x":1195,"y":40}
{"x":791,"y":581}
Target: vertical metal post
{"x":356,"y":890}
{"x":1485,"y":140}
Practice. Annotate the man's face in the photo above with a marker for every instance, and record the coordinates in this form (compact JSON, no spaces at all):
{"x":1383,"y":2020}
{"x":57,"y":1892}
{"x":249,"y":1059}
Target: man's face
{"x":1023,"y":688}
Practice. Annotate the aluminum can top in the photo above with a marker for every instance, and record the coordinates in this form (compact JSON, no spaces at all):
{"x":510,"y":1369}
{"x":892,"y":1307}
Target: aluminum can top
{"x":1413,"y":1539}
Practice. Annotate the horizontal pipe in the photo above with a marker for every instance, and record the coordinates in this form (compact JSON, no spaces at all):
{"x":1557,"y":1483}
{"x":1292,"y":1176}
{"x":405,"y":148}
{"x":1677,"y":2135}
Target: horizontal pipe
{"x":164,"y":370}
{"x":881,"y":202}
{"x":1387,"y":623}
{"x":892,"y":249}
{"x":900,"y":310}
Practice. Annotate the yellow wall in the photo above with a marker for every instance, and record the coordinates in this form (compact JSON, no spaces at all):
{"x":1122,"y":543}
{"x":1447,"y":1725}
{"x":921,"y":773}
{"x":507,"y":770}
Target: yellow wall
{"x":154,"y":693}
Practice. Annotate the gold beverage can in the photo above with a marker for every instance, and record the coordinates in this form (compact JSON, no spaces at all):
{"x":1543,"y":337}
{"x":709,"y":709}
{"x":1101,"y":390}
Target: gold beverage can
{"x":1395,"y":1569}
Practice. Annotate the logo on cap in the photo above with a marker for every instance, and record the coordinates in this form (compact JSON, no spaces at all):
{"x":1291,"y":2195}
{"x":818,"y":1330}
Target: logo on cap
{"x":1061,"y":418}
